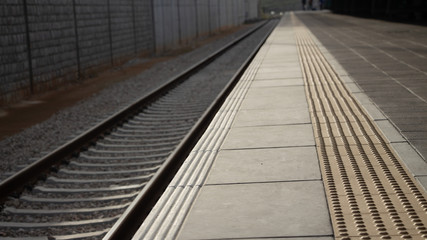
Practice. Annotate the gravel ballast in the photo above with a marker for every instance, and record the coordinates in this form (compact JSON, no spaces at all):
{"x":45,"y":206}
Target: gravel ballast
{"x":32,"y":143}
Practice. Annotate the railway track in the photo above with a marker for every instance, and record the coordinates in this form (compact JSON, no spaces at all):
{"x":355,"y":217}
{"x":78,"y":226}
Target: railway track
{"x":103,"y":182}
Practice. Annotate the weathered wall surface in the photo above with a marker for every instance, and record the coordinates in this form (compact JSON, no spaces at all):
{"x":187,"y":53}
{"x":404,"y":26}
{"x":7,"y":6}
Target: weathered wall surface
{"x":14,"y":69}
{"x":53,"y":42}
{"x":46,"y":43}
{"x":179,"y":22}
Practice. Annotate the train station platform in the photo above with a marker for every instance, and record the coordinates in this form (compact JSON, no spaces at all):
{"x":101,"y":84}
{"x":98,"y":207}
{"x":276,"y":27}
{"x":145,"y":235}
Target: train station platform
{"x":308,"y":144}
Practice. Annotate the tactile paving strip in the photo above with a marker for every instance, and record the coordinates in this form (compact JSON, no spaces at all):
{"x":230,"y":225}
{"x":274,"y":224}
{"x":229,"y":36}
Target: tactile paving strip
{"x":370,"y":193}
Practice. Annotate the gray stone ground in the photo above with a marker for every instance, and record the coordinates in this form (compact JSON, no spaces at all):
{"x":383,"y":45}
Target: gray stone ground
{"x":387,"y":60}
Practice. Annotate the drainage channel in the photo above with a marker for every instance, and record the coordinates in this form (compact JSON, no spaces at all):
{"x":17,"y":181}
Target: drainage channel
{"x":371,"y":194}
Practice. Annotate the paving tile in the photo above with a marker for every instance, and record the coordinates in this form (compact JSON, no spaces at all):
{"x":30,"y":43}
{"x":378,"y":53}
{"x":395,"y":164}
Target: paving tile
{"x":291,"y":238}
{"x":416,"y":136}
{"x":346,"y":79}
{"x":410,"y":119}
{"x":290,"y":59}
{"x":399,"y":112}
{"x":259,"y":210}
{"x":269,"y":136}
{"x":373,"y":111}
{"x":275,"y":98}
{"x":421,"y":146}
{"x":423,"y":181}
{"x":280,"y":64}
{"x":276,"y":69}
{"x":402,"y":114}
{"x":389,"y":131}
{"x":412,"y":159}
{"x":278,"y":52}
{"x":362,"y":98}
{"x":353,"y":87}
{"x":272,"y":54}
{"x":412,"y":127}
{"x":264,"y":165}
{"x":276,"y":75}
{"x":274,"y":102}
{"x":265,"y":117}
{"x":278,"y":82}
{"x":288,"y":91}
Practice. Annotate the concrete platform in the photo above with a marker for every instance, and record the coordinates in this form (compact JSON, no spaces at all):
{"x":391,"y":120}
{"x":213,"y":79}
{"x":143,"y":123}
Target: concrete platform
{"x":387,"y":61}
{"x":255,"y":173}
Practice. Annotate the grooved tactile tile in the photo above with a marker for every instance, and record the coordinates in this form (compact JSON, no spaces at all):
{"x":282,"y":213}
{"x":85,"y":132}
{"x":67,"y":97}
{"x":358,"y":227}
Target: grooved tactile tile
{"x":370,"y":193}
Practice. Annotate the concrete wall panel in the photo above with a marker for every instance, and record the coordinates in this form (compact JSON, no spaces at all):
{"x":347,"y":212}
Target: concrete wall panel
{"x":92,"y":19}
{"x":53,"y":42}
{"x":14,"y":65}
{"x":46,"y":43}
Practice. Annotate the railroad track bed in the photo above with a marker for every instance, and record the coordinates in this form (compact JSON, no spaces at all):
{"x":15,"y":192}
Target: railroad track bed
{"x":85,"y":195}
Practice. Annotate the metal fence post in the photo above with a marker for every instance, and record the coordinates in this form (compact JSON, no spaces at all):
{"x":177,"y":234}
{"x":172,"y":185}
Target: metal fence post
{"x":197,"y":18}
{"x":179,"y":23}
{"x":28,"y":38}
{"x":134,"y":27}
{"x":76,"y":33}
{"x":110,"y":31}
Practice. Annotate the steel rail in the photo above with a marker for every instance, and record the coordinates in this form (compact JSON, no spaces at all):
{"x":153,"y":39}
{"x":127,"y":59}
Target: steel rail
{"x":139,"y":209}
{"x":30,"y":174}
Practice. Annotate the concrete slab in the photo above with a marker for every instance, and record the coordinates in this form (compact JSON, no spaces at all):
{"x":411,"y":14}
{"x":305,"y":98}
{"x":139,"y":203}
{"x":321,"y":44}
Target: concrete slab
{"x":353,"y":87}
{"x":289,"y":91}
{"x":264,"y":117}
{"x":275,"y":98}
{"x":412,"y":159}
{"x":389,"y":131}
{"x":423,"y":181}
{"x":278,"y":82}
{"x":421,"y":145}
{"x":276,"y":75}
{"x":373,"y":111}
{"x":259,"y":210}
{"x":388,"y":81}
{"x":269,"y":136}
{"x":265,"y":165}
{"x":274,"y":102}
{"x":278,"y":59}
{"x":280,"y":64}
{"x":278,"y":52}
{"x":362,"y":98}
{"x":278,"y":69}
{"x":345,"y":78}
{"x":287,"y":238}
{"x":303,"y":238}
{"x":285,"y":62}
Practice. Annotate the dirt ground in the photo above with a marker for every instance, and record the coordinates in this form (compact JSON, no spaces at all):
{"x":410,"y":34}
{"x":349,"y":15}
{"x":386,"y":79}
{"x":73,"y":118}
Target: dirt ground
{"x":37,"y":108}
